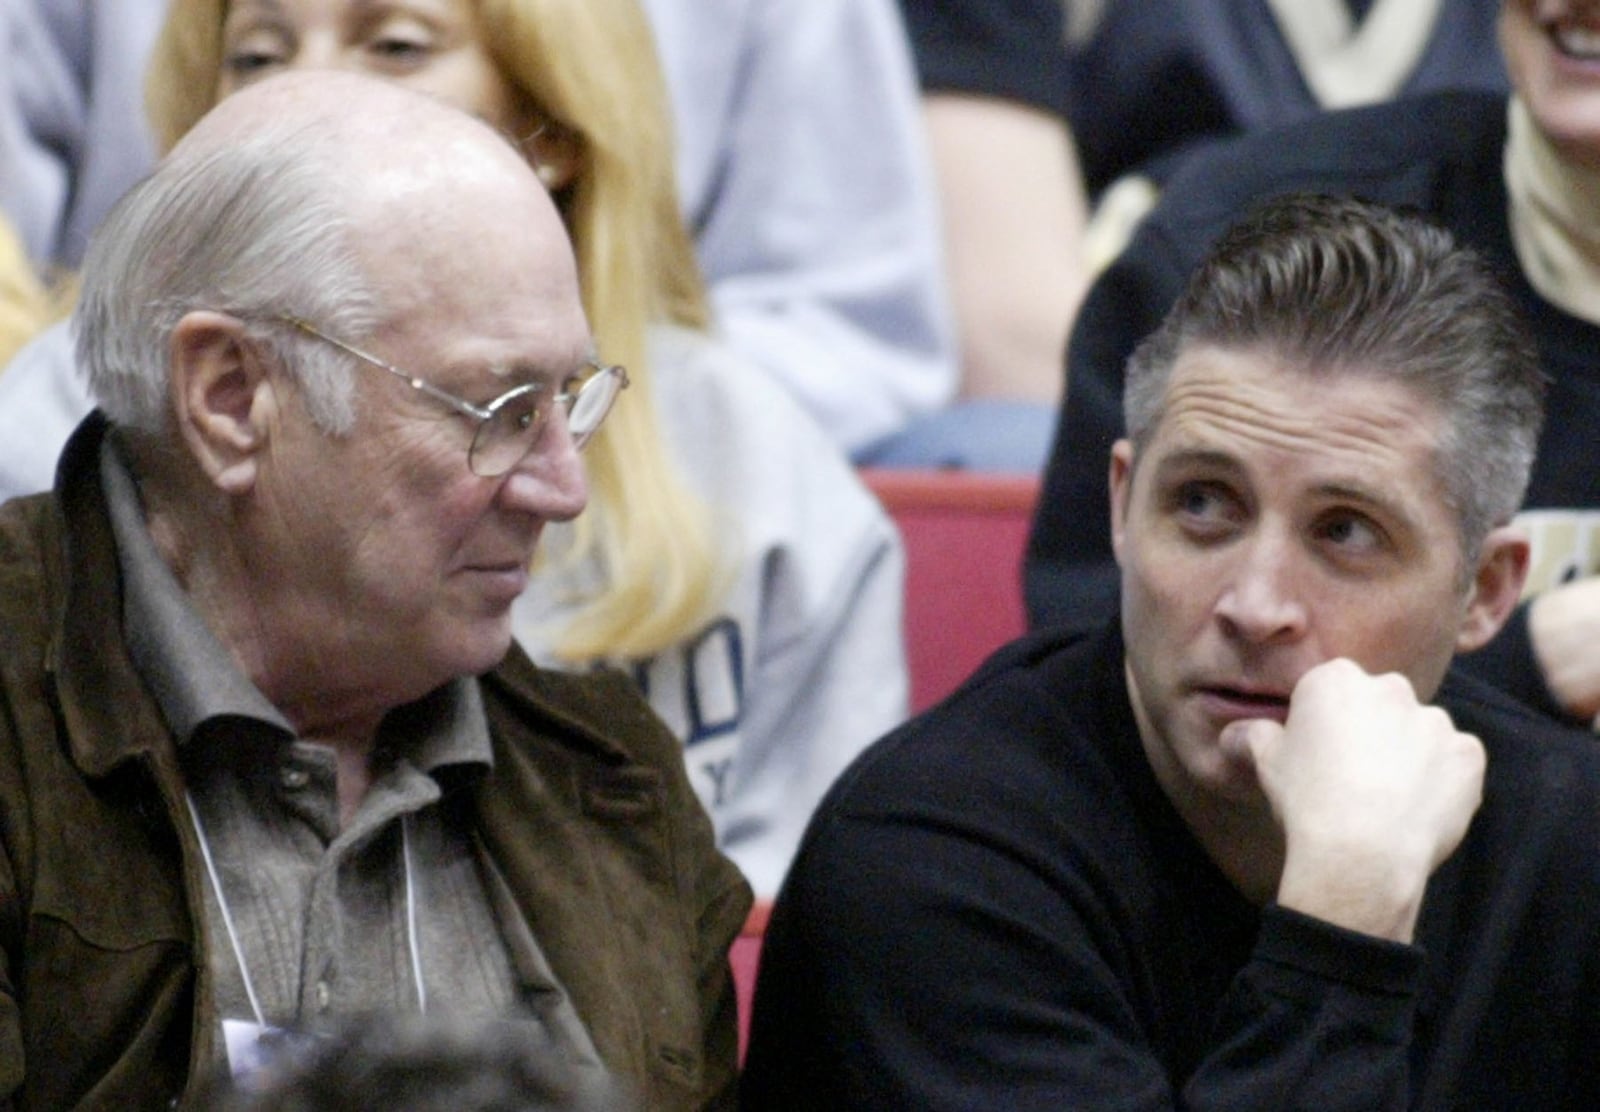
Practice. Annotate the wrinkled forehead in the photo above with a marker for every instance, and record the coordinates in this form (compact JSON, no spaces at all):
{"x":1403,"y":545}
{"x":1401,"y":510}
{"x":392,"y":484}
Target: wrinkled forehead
{"x":1273,"y":413}
{"x":417,"y":255}
{"x":469,"y":292}
{"x":1265,"y":382}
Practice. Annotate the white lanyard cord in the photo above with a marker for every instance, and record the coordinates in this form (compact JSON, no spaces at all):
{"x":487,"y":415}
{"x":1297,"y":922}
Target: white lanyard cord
{"x":411,"y":914}
{"x":233,"y":935}
{"x":227,"y":917}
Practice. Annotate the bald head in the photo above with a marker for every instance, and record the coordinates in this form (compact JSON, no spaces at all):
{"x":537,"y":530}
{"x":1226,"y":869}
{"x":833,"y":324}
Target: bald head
{"x":399,"y":156}
{"x":285,"y":200}
{"x":345,"y":107}
{"x":354,"y":114}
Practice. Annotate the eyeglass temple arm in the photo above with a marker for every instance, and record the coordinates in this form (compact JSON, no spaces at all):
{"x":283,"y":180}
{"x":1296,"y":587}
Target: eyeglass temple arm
{"x":460,"y":405}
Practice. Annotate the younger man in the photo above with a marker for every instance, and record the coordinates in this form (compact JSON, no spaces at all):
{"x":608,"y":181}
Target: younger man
{"x":1224,"y":853}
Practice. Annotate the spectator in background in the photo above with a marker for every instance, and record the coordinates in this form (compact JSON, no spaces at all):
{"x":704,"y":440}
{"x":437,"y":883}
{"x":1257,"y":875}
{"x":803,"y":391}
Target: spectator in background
{"x":25,"y":305}
{"x":72,"y":131}
{"x":1220,"y":67}
{"x":805,"y":181}
{"x":729,"y":558}
{"x":269,"y":756}
{"x":1515,"y":178}
{"x":71,"y":140}
{"x":1011,"y":197}
{"x":1040,"y":111}
{"x":802,"y":170}
{"x":1245,"y":847}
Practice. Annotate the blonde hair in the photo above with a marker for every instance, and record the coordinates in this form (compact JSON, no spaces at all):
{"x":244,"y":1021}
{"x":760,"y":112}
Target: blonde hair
{"x":27,"y":303}
{"x":590,"y":68}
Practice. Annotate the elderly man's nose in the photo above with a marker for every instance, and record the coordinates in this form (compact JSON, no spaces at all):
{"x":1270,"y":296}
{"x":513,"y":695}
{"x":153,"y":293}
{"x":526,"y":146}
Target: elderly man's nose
{"x":549,"y":481}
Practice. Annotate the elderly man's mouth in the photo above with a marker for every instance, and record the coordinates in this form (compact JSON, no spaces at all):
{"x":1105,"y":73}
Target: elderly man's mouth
{"x":507,"y":580}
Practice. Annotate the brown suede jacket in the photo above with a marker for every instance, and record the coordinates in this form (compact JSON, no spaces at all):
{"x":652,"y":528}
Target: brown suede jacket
{"x":104,"y":994}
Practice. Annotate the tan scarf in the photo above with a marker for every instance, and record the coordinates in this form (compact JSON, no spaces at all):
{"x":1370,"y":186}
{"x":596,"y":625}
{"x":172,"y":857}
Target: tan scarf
{"x":1346,"y":65}
{"x":1555,"y":217}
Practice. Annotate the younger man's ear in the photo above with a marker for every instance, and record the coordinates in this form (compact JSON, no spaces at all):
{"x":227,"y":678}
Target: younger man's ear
{"x":1120,"y":485}
{"x":1495,"y":588}
{"x":223,"y":397}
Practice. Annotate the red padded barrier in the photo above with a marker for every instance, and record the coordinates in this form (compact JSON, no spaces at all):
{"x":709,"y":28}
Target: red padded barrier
{"x":964,"y":536}
{"x":745,"y":956}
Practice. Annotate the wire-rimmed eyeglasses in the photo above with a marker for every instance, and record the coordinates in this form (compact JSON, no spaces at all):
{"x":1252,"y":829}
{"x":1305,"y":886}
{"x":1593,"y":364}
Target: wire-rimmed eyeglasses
{"x":509,"y":426}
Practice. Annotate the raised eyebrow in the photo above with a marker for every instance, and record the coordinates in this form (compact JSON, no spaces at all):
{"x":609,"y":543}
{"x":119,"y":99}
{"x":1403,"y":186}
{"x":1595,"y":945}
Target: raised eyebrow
{"x":1366,"y":498}
{"x":1358,"y":493}
{"x":1190,"y":459}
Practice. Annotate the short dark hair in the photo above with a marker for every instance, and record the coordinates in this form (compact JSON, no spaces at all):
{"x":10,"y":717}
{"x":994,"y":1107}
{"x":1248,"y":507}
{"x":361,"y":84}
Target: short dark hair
{"x":1340,"y":286}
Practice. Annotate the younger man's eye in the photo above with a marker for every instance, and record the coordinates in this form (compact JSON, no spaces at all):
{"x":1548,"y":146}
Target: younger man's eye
{"x":1353,"y":532}
{"x":1199,"y":500}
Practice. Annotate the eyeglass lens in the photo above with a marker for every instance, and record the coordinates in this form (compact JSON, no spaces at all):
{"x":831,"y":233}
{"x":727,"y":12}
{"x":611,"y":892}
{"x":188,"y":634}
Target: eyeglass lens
{"x":508,"y":434}
{"x":516,"y":421}
{"x":588,"y":405}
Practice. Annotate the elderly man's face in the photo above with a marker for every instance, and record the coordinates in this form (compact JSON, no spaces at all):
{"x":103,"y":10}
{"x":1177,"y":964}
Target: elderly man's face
{"x":386,"y":525}
{"x":1552,"y":49}
{"x":1273,"y":522}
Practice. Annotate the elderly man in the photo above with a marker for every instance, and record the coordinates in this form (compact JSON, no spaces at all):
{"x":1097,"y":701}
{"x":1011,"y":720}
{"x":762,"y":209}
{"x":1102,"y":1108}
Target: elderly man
{"x":1223,"y":853}
{"x":248,"y":779}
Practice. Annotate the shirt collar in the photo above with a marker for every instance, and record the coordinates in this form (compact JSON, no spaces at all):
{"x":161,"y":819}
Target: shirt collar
{"x":191,"y":675}
{"x":194,"y":679}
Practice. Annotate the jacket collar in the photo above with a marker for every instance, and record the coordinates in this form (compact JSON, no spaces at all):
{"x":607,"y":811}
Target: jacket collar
{"x":109,"y":715}
{"x":579,"y":711}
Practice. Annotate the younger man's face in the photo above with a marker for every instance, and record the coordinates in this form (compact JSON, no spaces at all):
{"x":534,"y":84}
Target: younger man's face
{"x":1275,"y":521}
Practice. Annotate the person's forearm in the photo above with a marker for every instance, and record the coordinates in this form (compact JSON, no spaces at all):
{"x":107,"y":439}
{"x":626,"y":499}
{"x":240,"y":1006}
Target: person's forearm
{"x":1013,"y":212}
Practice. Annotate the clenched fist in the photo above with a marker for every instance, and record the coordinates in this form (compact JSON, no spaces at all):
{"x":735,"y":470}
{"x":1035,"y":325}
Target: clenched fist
{"x":1373,"y":790}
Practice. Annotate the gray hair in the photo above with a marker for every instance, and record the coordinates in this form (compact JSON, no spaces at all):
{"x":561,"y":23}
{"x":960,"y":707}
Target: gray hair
{"x":251,"y":228}
{"x":1338,"y":286}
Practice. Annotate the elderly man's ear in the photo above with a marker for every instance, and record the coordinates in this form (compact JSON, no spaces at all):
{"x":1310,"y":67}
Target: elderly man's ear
{"x":1496,"y":587}
{"x":224,"y":397}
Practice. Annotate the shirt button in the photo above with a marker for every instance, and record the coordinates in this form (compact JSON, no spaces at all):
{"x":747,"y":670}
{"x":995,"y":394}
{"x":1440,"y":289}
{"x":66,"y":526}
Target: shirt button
{"x":321,"y":994}
{"x":294,"y":778}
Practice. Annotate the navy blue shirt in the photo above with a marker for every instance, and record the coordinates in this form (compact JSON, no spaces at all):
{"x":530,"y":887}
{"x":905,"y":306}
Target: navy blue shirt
{"x":1156,"y":77}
